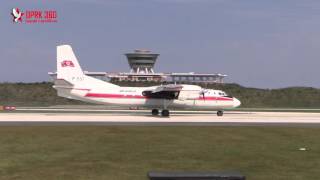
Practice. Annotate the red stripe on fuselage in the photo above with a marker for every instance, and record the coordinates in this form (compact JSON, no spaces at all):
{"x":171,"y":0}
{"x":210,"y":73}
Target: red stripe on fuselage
{"x":215,"y":99}
{"x":101,"y":95}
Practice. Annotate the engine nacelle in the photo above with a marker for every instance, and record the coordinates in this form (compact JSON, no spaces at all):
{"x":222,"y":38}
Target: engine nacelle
{"x":189,"y":92}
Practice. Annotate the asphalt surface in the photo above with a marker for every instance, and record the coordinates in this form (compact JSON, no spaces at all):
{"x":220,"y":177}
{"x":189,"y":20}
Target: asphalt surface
{"x":97,"y":117}
{"x":97,"y":123}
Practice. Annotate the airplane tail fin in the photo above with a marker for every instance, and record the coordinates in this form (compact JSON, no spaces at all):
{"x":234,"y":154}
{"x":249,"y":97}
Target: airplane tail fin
{"x":69,"y":70}
{"x":68,"y":67}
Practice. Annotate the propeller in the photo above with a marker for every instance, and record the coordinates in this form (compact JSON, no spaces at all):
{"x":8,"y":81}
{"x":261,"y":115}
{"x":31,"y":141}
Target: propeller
{"x":202,"y":93}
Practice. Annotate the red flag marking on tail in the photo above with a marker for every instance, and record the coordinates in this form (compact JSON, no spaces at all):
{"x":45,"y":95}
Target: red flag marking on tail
{"x":67,"y":63}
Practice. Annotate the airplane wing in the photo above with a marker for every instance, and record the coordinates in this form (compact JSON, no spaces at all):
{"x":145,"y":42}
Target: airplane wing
{"x":170,"y":91}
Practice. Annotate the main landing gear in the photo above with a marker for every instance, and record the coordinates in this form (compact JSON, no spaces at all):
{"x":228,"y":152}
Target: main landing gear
{"x":155,"y":112}
{"x":219,"y":113}
{"x":164,"y":112}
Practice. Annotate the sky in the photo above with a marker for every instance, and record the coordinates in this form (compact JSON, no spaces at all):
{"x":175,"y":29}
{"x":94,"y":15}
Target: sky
{"x":264,"y":44}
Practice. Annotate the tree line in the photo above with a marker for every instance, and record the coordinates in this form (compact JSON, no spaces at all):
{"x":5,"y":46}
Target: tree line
{"x":42,"y":94}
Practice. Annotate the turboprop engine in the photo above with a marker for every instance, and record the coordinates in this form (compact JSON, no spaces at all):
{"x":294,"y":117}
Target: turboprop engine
{"x":189,"y":92}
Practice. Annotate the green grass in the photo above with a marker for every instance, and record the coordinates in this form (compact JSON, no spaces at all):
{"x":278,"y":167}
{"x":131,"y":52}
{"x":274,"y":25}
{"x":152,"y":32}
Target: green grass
{"x":128,"y":153}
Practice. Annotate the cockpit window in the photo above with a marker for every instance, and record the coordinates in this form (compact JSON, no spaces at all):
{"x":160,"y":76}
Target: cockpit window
{"x":223,"y":94}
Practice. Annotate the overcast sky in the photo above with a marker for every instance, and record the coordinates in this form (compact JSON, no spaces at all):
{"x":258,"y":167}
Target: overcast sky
{"x":265,"y":43}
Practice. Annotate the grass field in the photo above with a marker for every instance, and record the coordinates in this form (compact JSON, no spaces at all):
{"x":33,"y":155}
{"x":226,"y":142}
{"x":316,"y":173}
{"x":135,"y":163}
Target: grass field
{"x":128,"y":153}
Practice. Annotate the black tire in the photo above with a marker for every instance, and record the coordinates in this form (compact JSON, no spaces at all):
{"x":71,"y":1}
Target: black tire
{"x":165,"y":113}
{"x":155,"y":112}
{"x":219,"y":113}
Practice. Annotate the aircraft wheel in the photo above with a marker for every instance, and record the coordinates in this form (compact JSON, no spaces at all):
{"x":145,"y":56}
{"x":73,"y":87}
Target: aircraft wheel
{"x":155,"y":112}
{"x":165,"y":113}
{"x":219,"y":113}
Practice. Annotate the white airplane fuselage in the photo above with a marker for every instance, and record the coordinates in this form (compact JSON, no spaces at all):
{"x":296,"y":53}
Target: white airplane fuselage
{"x":132,"y":97}
{"x":72,"y":83}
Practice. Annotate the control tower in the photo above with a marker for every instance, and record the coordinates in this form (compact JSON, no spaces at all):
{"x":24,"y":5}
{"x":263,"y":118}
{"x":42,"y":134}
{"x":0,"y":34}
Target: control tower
{"x":141,"y":61}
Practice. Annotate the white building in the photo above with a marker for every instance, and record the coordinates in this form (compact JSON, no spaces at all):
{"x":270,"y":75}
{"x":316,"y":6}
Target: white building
{"x":141,"y":63}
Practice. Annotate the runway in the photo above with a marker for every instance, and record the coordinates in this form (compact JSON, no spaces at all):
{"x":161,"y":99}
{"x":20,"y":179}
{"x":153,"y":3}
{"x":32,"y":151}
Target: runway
{"x":53,"y":117}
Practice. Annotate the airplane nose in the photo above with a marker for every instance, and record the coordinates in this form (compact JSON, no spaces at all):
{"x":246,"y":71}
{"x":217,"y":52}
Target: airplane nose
{"x":236,"y":102}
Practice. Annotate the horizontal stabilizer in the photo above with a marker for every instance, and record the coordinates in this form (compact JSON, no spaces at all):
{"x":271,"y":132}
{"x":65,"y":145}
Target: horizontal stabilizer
{"x":61,"y":83}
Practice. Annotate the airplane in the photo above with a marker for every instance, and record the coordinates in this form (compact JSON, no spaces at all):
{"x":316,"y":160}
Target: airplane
{"x":72,"y":83}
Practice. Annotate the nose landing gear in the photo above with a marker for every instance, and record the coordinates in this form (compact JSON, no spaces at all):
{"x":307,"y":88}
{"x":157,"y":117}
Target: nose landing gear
{"x":219,"y":113}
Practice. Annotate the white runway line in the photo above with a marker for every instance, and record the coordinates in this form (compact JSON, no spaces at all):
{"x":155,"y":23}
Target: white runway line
{"x":256,"y":117}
